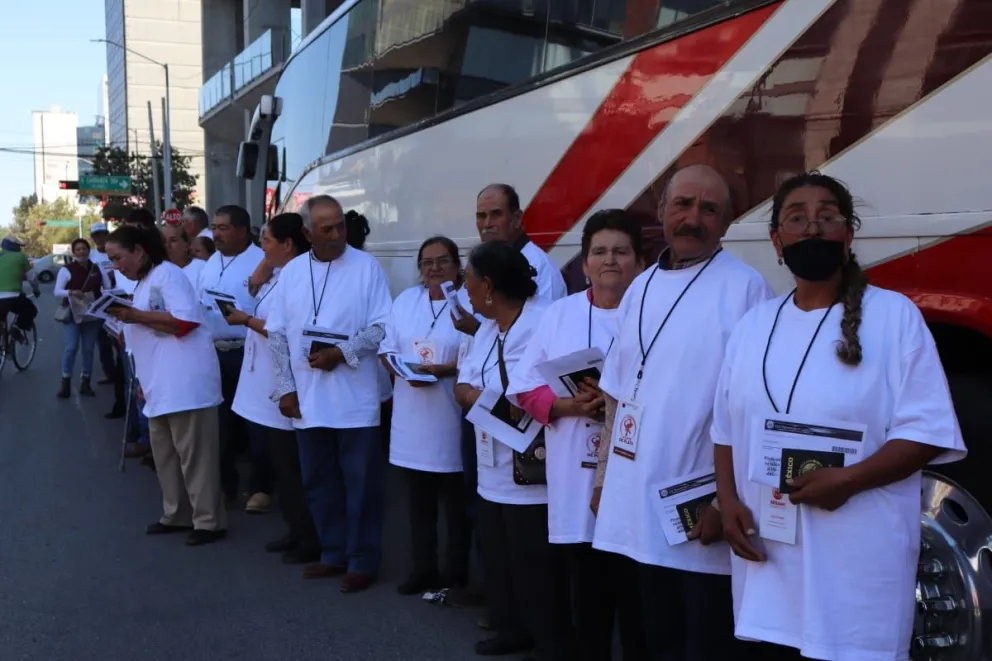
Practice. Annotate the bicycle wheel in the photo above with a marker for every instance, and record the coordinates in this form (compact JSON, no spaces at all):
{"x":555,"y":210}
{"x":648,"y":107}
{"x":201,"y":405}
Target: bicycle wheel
{"x":24,"y":344}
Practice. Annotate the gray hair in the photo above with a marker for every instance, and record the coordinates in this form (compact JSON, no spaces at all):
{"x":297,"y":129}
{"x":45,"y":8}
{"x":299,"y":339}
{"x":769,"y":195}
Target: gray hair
{"x":314,"y":202}
{"x":198,"y":215}
{"x":728,"y":200}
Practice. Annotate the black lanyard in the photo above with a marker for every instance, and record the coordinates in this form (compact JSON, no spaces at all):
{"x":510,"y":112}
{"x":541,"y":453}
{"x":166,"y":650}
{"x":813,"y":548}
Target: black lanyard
{"x":313,"y":290}
{"x":269,"y":291}
{"x":768,"y":345}
{"x":640,"y":317}
{"x":224,"y":267}
{"x":500,"y":341}
{"x":589,"y":332}
{"x":433,"y":314}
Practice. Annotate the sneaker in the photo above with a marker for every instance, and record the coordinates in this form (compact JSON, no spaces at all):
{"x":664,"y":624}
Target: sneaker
{"x":258,"y":503}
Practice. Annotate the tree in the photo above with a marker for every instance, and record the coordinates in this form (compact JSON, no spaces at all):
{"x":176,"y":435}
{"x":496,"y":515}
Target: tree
{"x":116,"y":161}
{"x":30,"y":216}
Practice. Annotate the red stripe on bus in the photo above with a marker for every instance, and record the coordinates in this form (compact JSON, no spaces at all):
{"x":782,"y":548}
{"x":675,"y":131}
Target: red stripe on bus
{"x":657,"y":84}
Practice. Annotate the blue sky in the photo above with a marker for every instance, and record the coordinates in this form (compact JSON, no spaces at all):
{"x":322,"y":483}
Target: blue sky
{"x":47,"y":59}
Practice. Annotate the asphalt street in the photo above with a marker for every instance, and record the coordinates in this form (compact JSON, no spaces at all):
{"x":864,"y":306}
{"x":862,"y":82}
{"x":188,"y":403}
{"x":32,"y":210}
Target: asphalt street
{"x":79,"y":580}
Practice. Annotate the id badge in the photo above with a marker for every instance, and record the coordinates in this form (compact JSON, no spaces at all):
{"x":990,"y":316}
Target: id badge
{"x":315,"y":338}
{"x":594,"y":436}
{"x":779,"y":516}
{"x":484,"y":448}
{"x":426,"y":350}
{"x":627,"y":430}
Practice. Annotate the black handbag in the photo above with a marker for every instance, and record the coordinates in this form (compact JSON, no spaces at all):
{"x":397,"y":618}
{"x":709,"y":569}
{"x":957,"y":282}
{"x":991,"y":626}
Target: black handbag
{"x":529,"y":467}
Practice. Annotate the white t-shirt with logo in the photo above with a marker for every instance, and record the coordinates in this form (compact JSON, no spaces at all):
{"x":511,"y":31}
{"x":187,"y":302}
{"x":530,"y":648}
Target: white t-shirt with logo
{"x":676,"y":400}
{"x":176,"y":373}
{"x":481,"y":370}
{"x":427,"y":422}
{"x":845,"y":590}
{"x":229,"y":275}
{"x":356,"y":296}
{"x":569,"y":325}
{"x":252,"y":400}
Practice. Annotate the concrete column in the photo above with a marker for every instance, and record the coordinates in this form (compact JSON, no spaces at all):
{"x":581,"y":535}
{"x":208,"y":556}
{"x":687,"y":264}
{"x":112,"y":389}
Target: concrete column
{"x":313,"y":12}
{"x":220,"y":22}
{"x":262,"y":15}
{"x":222,"y":184}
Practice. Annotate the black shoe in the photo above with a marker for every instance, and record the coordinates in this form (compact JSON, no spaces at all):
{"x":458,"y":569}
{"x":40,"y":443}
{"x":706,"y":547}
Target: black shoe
{"x":201,"y":537}
{"x":419,"y":583}
{"x":285,"y":543}
{"x":159,"y":528}
{"x":65,"y":390}
{"x":116,"y":413}
{"x":301,"y":555}
{"x":500,"y":645}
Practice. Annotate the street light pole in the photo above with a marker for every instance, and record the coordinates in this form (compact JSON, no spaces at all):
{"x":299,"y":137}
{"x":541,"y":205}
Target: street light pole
{"x":166,"y":120}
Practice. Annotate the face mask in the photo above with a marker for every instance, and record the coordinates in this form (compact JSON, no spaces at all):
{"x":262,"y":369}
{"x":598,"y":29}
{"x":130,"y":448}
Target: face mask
{"x":814,"y":259}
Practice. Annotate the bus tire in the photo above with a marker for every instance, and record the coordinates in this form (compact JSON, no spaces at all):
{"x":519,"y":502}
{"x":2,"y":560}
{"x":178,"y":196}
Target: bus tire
{"x":972,"y":396}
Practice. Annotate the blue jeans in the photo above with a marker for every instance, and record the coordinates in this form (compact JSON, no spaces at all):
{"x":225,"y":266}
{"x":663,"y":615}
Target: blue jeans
{"x":137,"y":422}
{"x":74,"y":335}
{"x":343,"y":479}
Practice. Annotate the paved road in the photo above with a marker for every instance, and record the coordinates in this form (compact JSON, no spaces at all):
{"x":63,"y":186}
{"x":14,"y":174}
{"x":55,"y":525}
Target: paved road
{"x":79,"y":580}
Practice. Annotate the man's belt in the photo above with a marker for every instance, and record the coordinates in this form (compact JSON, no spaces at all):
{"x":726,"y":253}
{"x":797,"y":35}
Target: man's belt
{"x":229,"y":345}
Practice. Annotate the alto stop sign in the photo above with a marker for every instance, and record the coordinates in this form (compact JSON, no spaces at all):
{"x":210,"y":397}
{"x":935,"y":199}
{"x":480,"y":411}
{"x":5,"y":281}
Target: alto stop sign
{"x":172,"y":216}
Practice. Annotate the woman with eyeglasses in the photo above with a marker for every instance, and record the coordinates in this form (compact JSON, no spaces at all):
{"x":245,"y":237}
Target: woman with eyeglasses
{"x":426,"y":419}
{"x":512,"y":511}
{"x":824,"y":523}
{"x":601,"y":584}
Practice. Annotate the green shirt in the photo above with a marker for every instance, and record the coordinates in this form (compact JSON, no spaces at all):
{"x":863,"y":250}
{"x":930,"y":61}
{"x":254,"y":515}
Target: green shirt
{"x":13,"y":266}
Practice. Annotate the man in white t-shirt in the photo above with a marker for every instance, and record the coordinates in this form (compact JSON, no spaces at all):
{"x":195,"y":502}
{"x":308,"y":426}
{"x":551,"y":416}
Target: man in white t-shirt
{"x":659,"y":381}
{"x":324,"y":335}
{"x":196,"y":223}
{"x":105,"y":343}
{"x":227,"y":272}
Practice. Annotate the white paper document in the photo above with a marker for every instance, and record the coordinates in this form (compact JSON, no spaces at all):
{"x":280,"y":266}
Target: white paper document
{"x":564,"y":374}
{"x":314,"y":338}
{"x":406,"y":368}
{"x":680,"y":503}
{"x":777,"y":516}
{"x":451,"y":296}
{"x":771,"y":435}
{"x":492,"y":413}
{"x":114,"y":327}
{"x":101,"y":306}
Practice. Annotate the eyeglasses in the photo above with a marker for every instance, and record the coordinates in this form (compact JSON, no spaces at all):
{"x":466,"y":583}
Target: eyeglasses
{"x":799,"y":223}
{"x":440,"y":262}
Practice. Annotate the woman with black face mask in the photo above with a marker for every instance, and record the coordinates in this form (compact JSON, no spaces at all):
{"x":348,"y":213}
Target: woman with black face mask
{"x":831,"y":401}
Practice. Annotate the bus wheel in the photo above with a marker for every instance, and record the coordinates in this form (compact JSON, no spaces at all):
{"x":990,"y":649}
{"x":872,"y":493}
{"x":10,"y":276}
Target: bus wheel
{"x":954,"y":575}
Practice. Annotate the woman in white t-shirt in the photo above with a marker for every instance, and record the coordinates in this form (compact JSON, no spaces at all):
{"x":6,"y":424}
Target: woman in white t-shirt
{"x":601,"y":584}
{"x":177,"y":367}
{"x":425,"y":436}
{"x":178,"y":248}
{"x":826,"y":557}
{"x":272,"y":434}
{"x":512,"y":516}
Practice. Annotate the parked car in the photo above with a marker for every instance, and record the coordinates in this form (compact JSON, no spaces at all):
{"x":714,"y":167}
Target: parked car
{"x":45,"y":268}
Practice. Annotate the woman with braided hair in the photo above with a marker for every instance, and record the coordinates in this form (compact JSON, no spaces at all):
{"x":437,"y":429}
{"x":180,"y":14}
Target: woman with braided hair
{"x":826,"y":539}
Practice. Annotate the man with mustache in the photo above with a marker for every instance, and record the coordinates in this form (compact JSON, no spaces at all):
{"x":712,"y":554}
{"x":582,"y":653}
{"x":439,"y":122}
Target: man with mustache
{"x":659,"y":382}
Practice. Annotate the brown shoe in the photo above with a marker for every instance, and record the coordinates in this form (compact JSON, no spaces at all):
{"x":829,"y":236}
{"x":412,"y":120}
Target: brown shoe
{"x":136,"y":450}
{"x":258,"y":503}
{"x":356,"y":582}
{"x":320,"y":570}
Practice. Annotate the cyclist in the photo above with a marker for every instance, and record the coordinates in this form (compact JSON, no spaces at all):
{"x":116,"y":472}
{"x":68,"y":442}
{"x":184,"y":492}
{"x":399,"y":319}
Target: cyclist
{"x":14,"y":270}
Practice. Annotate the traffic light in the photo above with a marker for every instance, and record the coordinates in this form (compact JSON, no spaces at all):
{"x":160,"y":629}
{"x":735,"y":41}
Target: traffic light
{"x":68,"y":185}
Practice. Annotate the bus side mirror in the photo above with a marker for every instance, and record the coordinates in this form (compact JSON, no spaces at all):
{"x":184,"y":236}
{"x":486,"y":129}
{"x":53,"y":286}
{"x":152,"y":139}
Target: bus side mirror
{"x":272,"y":164}
{"x":247,"y":160}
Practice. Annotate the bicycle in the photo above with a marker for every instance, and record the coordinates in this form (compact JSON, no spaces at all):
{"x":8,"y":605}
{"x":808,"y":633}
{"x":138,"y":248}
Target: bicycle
{"x":14,"y":338}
